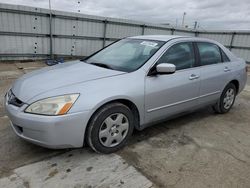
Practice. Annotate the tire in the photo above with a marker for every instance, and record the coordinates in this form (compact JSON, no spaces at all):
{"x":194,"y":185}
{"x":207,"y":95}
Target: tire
{"x":224,"y":105}
{"x":110,"y":128}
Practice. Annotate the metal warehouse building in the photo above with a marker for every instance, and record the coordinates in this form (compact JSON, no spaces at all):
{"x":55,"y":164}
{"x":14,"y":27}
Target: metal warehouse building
{"x":29,"y":33}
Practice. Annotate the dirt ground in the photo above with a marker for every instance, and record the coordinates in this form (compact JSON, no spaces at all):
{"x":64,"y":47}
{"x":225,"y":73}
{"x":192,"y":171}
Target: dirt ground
{"x":201,"y":149}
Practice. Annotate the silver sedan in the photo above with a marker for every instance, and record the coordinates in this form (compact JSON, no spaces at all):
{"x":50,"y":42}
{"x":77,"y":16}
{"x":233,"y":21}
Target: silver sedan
{"x":131,"y":84}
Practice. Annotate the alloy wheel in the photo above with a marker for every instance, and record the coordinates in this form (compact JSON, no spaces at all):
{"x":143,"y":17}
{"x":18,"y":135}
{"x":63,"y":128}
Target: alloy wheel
{"x":228,"y":98}
{"x":113,"y":130}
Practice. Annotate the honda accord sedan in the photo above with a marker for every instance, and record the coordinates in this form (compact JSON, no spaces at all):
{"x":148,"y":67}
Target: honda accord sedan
{"x":131,"y":84}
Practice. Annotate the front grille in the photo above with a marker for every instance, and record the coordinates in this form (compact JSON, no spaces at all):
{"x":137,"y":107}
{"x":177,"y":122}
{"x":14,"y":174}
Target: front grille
{"x":12,"y":99}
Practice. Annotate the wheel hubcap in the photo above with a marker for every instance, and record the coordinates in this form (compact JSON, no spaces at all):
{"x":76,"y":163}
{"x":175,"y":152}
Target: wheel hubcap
{"x":113,"y":130}
{"x":228,"y":98}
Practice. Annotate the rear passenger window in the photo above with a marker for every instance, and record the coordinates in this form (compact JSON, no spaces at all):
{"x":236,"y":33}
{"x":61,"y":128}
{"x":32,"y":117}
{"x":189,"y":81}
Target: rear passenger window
{"x":209,"y":53}
{"x":181,"y":55}
{"x":224,"y":56}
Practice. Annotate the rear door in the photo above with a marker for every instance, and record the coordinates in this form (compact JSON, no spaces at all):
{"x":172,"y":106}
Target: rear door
{"x":215,"y":73}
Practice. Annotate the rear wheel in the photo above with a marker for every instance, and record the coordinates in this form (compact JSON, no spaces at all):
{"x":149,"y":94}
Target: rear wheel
{"x":226,"y":100}
{"x":110,"y":128}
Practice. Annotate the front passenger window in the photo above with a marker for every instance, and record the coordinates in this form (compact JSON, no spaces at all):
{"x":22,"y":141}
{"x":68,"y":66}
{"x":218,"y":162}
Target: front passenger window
{"x":181,"y":55}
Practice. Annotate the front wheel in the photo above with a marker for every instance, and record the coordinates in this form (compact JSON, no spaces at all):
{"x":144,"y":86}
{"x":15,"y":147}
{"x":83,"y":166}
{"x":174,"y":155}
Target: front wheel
{"x":226,"y":100}
{"x":110,"y":128}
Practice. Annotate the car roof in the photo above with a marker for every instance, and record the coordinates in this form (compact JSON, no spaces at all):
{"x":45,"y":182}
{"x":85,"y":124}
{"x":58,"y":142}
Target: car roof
{"x":166,"y":38}
{"x":159,"y":37}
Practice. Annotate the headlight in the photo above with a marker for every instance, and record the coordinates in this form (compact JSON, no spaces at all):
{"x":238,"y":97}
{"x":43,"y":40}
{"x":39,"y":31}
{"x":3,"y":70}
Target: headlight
{"x":53,"y":106}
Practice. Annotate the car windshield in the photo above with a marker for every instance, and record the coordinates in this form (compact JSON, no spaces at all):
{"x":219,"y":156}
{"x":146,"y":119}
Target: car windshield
{"x":126,"y":55}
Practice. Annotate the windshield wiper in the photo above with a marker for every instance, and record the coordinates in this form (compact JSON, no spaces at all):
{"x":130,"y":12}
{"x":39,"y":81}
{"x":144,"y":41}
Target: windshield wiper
{"x":102,"y":65}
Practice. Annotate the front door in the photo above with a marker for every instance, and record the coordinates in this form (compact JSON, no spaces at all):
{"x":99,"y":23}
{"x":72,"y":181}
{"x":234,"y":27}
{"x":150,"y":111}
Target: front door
{"x":170,"y":94}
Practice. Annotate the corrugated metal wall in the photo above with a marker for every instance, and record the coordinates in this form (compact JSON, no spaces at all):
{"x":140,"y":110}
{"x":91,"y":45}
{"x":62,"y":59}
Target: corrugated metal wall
{"x":25,"y":33}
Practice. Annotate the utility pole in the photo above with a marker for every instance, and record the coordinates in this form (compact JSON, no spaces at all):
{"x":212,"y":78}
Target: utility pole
{"x":50,"y":31}
{"x":183,"y":19}
{"x":195,"y":25}
{"x":79,"y":6}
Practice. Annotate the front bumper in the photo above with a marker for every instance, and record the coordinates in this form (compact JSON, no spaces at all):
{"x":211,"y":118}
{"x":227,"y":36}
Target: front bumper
{"x":55,"y":132}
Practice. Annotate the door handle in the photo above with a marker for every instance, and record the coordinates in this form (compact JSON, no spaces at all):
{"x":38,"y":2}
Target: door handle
{"x":226,"y":69}
{"x":193,"y":77}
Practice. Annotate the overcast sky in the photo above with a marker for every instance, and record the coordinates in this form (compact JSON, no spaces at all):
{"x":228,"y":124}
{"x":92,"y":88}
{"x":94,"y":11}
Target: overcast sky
{"x":210,"y":14}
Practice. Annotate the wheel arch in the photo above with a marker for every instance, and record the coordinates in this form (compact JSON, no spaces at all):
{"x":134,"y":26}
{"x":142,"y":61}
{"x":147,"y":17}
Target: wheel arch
{"x":131,"y":105}
{"x":237,"y":84}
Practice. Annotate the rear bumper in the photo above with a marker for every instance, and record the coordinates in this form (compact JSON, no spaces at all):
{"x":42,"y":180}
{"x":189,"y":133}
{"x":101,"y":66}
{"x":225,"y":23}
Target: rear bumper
{"x":64,"y":131}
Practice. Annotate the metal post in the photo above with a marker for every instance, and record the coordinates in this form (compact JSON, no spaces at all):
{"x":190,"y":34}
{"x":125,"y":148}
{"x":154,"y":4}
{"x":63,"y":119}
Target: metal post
{"x":143,"y":29}
{"x":172,"y":31}
{"x":183,"y":19}
{"x":232,"y":40}
{"x":104,"y":32}
{"x":50,"y":31}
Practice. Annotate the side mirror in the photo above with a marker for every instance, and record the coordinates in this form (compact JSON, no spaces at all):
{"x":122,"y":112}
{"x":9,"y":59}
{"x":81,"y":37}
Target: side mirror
{"x":165,"y":68}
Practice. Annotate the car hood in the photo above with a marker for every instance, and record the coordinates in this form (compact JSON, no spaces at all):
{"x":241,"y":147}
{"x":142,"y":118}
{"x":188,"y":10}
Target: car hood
{"x":61,"y":75}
